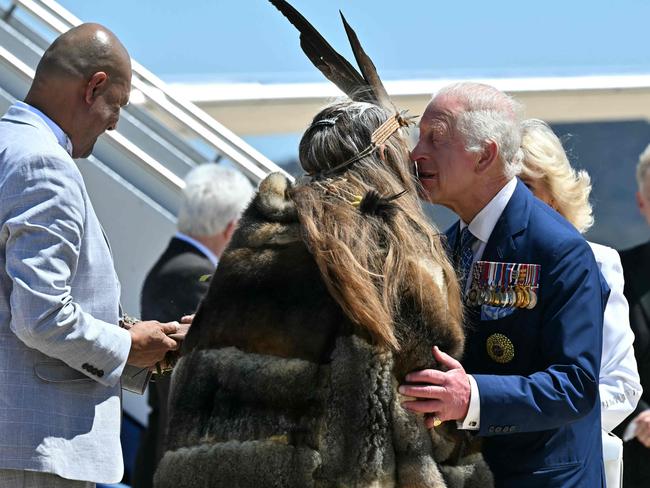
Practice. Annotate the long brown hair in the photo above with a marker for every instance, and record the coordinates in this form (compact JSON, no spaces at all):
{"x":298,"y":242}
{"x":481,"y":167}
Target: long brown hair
{"x":370,"y":264}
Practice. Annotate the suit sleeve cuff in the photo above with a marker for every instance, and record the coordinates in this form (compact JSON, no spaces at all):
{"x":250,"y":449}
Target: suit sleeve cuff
{"x":472,"y":420}
{"x":109,"y":359}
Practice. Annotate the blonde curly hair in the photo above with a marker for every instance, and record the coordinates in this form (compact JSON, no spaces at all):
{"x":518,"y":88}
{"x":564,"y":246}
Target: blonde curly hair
{"x":546,"y":162}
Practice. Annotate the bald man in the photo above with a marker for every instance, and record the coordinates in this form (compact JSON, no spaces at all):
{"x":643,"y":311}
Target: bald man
{"x":63,"y":355}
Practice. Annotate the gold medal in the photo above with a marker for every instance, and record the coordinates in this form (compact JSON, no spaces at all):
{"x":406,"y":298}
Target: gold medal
{"x":522,"y":297}
{"x":500,"y":348}
{"x":506,"y":285}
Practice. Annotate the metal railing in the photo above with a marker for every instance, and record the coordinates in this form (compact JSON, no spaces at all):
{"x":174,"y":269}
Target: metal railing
{"x":22,"y":72}
{"x":250,"y":161}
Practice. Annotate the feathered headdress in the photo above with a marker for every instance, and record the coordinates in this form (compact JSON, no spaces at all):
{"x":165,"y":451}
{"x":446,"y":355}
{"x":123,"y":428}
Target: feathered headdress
{"x":361,"y":87}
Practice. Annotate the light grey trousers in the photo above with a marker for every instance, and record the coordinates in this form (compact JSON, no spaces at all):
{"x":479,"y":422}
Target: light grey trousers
{"x":11,"y":478}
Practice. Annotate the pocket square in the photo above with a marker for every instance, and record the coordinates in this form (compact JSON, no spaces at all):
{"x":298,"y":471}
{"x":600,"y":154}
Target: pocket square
{"x":489,"y":312}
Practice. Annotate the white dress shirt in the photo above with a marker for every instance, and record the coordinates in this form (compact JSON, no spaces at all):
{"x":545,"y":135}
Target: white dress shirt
{"x":481,"y":227}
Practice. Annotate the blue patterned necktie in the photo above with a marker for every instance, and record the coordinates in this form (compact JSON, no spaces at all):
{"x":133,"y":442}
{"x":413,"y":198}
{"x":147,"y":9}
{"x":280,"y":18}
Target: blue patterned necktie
{"x":465,"y":256}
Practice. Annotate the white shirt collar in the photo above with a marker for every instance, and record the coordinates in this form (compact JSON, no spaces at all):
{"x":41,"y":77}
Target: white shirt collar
{"x":208,"y":254}
{"x":61,"y":137}
{"x":483,"y":224}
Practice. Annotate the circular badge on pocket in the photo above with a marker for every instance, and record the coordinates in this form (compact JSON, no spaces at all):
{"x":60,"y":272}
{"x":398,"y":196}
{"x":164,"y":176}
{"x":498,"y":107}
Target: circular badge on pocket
{"x":500,"y":348}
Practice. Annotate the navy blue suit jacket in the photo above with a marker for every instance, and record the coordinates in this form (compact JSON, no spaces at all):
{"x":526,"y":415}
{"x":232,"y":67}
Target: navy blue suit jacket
{"x":540,"y":413}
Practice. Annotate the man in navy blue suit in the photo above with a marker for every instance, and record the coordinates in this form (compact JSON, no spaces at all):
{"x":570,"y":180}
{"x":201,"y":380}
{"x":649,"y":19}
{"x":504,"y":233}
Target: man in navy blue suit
{"x":529,"y":380}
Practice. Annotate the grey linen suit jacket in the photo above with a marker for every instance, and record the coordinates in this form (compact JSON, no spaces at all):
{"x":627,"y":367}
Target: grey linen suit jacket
{"x":61,"y":350}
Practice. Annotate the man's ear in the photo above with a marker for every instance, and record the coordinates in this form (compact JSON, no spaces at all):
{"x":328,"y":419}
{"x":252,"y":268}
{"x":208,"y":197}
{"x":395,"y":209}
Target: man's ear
{"x":488,"y":155}
{"x":95,"y":86}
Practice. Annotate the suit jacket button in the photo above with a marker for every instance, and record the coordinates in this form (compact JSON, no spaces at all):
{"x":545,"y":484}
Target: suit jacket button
{"x":498,"y":429}
{"x":491,"y":428}
{"x":100,"y":373}
{"x":85,"y":366}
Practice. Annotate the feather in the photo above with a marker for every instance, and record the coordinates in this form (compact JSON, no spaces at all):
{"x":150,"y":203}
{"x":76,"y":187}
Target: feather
{"x":374,"y":204}
{"x":367,"y":68}
{"x":335,"y":67}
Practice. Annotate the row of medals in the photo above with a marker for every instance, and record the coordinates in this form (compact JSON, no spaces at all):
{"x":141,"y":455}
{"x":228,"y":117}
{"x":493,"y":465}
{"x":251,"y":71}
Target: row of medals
{"x":503,"y":285}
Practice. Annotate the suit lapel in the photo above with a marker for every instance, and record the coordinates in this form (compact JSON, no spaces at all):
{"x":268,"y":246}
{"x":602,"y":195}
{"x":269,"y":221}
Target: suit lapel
{"x":514,"y":219}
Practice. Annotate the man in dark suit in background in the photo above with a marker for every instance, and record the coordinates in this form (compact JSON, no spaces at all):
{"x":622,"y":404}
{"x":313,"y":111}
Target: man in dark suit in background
{"x":535,"y":303}
{"x":212,"y":202}
{"x":635,"y":430}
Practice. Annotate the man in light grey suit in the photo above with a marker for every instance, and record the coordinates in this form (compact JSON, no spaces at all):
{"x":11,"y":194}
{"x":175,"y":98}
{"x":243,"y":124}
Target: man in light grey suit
{"x":62,"y":353}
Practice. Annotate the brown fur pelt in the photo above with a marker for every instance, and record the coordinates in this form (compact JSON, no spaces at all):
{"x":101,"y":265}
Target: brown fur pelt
{"x":278,"y":388}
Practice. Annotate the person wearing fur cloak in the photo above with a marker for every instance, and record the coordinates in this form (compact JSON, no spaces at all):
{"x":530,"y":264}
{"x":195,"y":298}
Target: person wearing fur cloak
{"x":329,"y":293}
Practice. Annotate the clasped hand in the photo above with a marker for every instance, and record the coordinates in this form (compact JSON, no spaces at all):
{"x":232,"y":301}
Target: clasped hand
{"x":442,"y":395}
{"x":151,"y":340}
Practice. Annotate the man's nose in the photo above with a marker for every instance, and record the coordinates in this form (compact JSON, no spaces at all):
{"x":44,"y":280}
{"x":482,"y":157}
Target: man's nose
{"x":416,"y":153}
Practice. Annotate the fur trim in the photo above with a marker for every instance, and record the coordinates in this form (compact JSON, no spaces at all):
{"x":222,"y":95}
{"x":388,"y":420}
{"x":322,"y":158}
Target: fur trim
{"x":471,"y":472}
{"x":358,"y":402}
{"x":273,"y":200}
{"x":275,"y":388}
{"x":414,"y":450}
{"x":251,"y":377}
{"x":227,"y":394}
{"x":339,"y":424}
{"x":263,"y":464}
{"x":271,"y":218}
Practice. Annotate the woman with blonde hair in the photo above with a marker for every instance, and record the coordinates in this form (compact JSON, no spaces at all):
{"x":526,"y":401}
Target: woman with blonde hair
{"x":548,"y":173}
